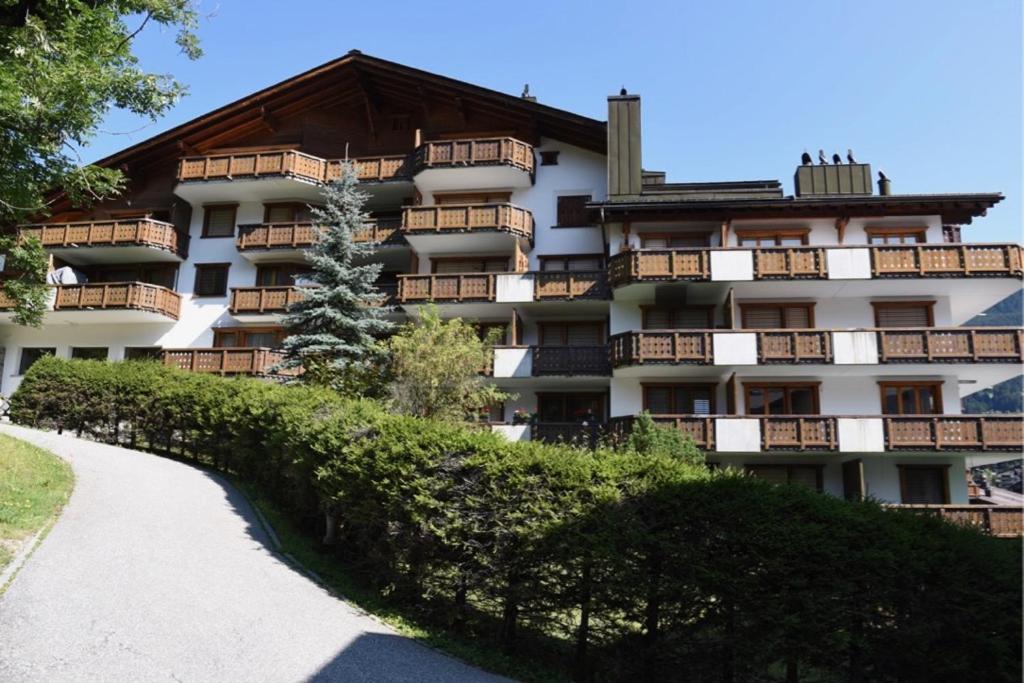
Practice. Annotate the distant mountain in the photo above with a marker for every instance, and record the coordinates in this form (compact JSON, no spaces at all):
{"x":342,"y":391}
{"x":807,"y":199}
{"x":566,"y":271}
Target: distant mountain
{"x":1008,"y":396}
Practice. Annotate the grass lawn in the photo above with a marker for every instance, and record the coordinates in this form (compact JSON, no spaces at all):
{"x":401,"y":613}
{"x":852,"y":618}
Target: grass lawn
{"x":34,"y":486}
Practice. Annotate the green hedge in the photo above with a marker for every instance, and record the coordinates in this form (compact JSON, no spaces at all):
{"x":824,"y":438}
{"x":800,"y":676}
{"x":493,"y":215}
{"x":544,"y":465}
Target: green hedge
{"x":606,"y":565}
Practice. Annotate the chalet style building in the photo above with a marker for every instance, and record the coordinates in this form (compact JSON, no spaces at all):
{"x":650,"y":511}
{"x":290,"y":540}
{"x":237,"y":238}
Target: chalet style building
{"x":815,"y":337}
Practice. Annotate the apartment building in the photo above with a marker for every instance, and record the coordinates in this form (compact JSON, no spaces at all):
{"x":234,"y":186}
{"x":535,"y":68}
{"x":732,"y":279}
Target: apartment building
{"x":814,"y":337}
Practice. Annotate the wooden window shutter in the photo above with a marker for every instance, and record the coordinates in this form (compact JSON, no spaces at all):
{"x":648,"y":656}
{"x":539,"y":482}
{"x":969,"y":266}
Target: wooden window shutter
{"x":657,"y":319}
{"x":572,"y":210}
{"x":775,"y":475}
{"x":584,"y":335}
{"x":211,"y":280}
{"x":796,"y":317}
{"x":924,"y":485}
{"x":219,"y":221}
{"x":762,"y":318}
{"x":280,"y":214}
{"x":903,"y":316}
{"x":585,"y":263}
{"x":659,"y":400}
{"x":691,"y":319}
{"x":807,"y":476}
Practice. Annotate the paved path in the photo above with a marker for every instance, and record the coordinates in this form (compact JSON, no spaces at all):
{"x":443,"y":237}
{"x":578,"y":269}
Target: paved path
{"x":158,"y":571}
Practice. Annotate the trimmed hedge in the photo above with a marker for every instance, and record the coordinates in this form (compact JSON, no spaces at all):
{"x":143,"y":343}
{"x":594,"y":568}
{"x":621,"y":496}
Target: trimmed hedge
{"x":606,"y":565}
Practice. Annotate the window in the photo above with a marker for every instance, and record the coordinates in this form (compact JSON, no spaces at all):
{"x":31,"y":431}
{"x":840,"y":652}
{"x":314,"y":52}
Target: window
{"x":264,"y":337}
{"x":673,"y":240}
{"x":570,"y":407}
{"x":777,"y":316}
{"x":162,"y":275}
{"x":89,"y":352}
{"x":951,"y":233}
{"x":782,"y":399}
{"x":804,"y":475}
{"x":211,"y":279}
{"x":924,"y":484}
{"x":288,"y":212}
{"x":469,"y":265}
{"x":30,"y":356}
{"x":681,"y":318}
{"x":280,"y":274}
{"x":572,"y":211}
{"x":911,"y":398}
{"x":219,"y":220}
{"x":473,"y":198}
{"x":549,"y":158}
{"x":142,"y":353}
{"x":887,"y":235}
{"x":577,"y":263}
{"x":571,"y":334}
{"x":793,"y":237}
{"x":679,"y":399}
{"x":904,"y":313}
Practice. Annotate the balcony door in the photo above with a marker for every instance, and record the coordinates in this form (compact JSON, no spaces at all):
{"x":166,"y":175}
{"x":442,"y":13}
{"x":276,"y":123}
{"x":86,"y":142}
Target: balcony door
{"x":776,"y":398}
{"x":240,"y":337}
{"x":678,"y":317}
{"x":679,"y":399}
{"x":904,"y":313}
{"x":777,"y":316}
{"x":924,"y":484}
{"x":573,"y":408}
{"x":573,"y":333}
{"x":483,"y":264}
{"x":911,"y":398}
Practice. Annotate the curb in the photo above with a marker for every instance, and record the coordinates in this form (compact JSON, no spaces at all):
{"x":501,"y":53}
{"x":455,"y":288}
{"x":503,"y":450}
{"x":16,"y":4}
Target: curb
{"x":21,"y":557}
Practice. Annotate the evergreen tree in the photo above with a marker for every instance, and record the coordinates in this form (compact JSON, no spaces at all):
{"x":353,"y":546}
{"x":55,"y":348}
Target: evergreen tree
{"x":334,"y":330}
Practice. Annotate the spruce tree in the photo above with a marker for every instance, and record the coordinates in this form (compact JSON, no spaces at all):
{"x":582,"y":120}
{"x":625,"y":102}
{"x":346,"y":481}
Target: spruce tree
{"x":333,"y":331}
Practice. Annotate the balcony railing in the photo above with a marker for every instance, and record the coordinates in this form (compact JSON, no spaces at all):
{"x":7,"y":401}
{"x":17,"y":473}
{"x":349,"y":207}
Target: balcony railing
{"x":139,"y":296}
{"x":982,"y":344}
{"x":302,"y":235}
{"x":478,"y":152}
{"x":575,"y":433}
{"x":923,"y":260}
{"x":459,"y":287}
{"x":571,"y":284}
{"x":895,"y":345}
{"x":288,"y":163}
{"x":264,"y":299}
{"x":449,"y":218}
{"x":773,"y":263}
{"x":570,"y":361}
{"x":820,"y":432}
{"x":225,"y":361}
{"x":1005,"y":521}
{"x":138,"y":232}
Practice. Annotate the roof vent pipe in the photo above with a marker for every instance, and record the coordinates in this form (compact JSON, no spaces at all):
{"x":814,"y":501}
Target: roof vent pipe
{"x":884,"y":185}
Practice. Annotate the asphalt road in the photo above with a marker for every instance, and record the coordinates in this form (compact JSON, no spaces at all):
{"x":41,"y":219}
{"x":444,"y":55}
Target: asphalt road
{"x":157,"y":571}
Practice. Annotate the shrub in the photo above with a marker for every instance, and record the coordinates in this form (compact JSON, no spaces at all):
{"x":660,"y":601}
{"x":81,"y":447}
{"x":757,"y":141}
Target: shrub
{"x":610,"y":564}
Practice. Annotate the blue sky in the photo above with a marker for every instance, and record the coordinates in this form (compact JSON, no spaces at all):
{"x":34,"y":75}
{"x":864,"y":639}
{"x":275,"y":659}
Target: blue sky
{"x":928,"y":90}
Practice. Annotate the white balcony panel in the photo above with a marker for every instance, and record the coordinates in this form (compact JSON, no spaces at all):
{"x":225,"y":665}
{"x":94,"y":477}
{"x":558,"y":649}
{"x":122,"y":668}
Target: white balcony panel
{"x":735,"y":348}
{"x":860,"y":435}
{"x":855,"y":348}
{"x":513,"y":432}
{"x":848,"y":264}
{"x":513,"y":362}
{"x":514,"y":288}
{"x":732,"y":266}
{"x":737,"y":435}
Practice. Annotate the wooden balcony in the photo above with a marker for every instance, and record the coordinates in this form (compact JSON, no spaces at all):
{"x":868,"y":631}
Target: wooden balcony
{"x":954,"y":432}
{"x":938,"y":260}
{"x":476,"y":152}
{"x":455,"y":288}
{"x":137,"y":296}
{"x":225,"y":361}
{"x":895,"y":345}
{"x":383,"y":231}
{"x":256,"y":164}
{"x":450,"y":218}
{"x":954,"y":345}
{"x":934,"y":433}
{"x":660,"y":265}
{"x":462,"y":287}
{"x":784,"y":263}
{"x":263,"y":300}
{"x":573,"y":433}
{"x":789,"y":263}
{"x":570,"y":361}
{"x":131,"y":233}
{"x":571,"y":284}
{"x":1004,"y":521}
{"x":263,"y":236}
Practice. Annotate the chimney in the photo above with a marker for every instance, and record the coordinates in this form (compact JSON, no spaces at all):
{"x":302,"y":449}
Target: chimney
{"x":884,"y":185}
{"x":624,"y":172}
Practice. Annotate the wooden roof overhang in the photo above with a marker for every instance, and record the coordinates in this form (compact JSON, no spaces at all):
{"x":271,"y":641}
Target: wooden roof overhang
{"x":361,"y":80}
{"x":955,"y":209}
